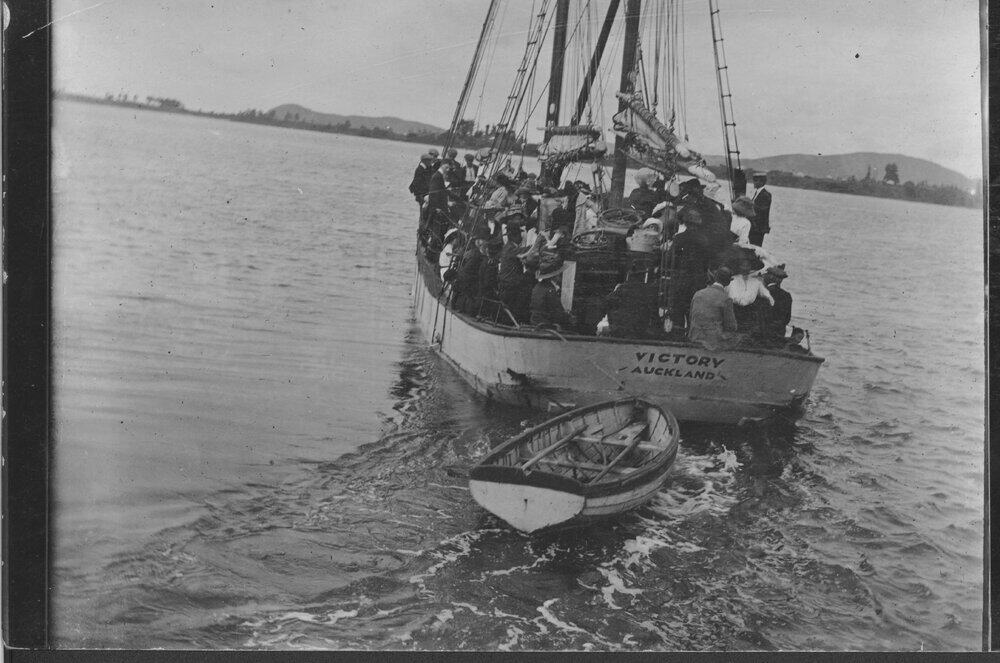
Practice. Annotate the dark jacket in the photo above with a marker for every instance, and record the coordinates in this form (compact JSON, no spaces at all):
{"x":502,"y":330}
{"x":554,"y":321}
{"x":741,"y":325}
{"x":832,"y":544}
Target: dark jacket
{"x":546,"y":307}
{"x":691,"y":254}
{"x":761,"y":222}
{"x":633,"y":309}
{"x":739,"y":260}
{"x":778,"y":317}
{"x":530,"y":207}
{"x":466,"y":284}
{"x":488,"y":277}
{"x":457,"y":169}
{"x":715,"y":227}
{"x":510,"y":269}
{"x":420,"y":182}
{"x":563,"y":217}
{"x":437,"y":192}
{"x":643,"y":200}
{"x":516,"y":296}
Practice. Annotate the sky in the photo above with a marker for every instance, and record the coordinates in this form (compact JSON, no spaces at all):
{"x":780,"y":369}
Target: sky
{"x":807,"y":76}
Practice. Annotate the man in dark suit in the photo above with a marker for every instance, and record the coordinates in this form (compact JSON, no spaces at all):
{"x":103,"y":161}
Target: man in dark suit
{"x":690,"y":259}
{"x":760,"y":224}
{"x":471,"y":168}
{"x":777,"y":317}
{"x":421,"y":179}
{"x":438,"y":214}
{"x":457,"y":170}
{"x":546,"y":304}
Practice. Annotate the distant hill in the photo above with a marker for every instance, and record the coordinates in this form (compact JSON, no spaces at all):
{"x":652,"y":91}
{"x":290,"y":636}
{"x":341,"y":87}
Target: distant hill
{"x":843,"y":166}
{"x":394,"y":124}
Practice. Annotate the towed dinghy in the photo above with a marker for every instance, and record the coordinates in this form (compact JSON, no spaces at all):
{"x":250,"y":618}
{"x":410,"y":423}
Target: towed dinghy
{"x":592,"y":462}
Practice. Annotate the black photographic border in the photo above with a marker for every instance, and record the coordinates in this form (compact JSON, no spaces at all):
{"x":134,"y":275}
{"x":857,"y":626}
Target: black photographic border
{"x":26,"y":323}
{"x":27,"y":392}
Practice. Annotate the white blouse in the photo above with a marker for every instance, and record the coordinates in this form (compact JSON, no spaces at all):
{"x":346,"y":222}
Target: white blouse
{"x":744,"y":290}
{"x":741,"y":228}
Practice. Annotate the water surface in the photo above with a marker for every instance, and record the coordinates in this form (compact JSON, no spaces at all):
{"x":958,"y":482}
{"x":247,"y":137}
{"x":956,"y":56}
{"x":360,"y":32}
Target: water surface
{"x":254,"y":447}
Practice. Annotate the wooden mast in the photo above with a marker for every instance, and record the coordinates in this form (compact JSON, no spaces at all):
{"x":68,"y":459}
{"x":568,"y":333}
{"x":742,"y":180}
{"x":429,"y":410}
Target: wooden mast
{"x":595,"y":62}
{"x":632,"y":9}
{"x":558,"y":61}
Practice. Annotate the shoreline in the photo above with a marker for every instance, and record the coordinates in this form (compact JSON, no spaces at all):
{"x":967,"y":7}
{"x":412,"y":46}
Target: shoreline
{"x":947,"y":195}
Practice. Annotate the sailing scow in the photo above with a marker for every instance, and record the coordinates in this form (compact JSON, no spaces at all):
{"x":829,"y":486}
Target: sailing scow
{"x":546,"y":286}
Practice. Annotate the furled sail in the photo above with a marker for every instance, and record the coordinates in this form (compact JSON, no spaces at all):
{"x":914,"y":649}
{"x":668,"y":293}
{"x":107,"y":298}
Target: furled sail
{"x":576,"y":143}
{"x":653,"y":144}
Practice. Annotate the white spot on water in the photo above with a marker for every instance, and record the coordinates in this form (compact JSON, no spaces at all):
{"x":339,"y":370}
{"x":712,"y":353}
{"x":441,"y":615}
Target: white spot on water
{"x":552,"y":619}
{"x":615,"y":584}
{"x":513,"y":638}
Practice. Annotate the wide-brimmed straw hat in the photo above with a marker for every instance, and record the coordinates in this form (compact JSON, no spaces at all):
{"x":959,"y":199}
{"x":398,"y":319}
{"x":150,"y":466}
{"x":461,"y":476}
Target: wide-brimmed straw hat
{"x":550,"y":265}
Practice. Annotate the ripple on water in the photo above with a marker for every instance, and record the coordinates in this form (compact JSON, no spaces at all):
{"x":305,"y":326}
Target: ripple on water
{"x":240,"y":355}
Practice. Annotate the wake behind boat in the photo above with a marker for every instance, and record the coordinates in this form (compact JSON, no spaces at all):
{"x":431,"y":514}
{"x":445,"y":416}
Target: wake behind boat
{"x":589,"y":463}
{"x":554,"y":293}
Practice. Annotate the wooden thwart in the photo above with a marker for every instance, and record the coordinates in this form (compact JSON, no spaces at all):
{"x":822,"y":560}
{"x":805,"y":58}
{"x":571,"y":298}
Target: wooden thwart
{"x":630,"y":437}
{"x":551,"y":448}
{"x":642,"y":446}
{"x":626,"y":440}
{"x":580,"y":465}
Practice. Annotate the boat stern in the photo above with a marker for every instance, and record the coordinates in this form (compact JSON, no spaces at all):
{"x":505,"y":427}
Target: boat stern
{"x":527,"y":507}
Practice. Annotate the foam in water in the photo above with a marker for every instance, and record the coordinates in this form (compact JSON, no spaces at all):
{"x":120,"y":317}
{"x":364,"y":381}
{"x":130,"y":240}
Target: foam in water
{"x":209,"y":366}
{"x":555,"y":621}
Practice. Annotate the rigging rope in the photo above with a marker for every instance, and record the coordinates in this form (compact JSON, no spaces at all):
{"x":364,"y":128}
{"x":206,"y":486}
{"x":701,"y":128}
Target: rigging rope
{"x":657,"y":38}
{"x":463,"y":98}
{"x":495,"y":36}
{"x":545,"y":87}
{"x":683,"y":103}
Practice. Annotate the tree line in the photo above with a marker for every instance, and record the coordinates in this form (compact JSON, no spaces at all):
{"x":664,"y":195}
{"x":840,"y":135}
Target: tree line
{"x":467,"y":135}
{"x":887,"y":187}
{"x":470,"y":137}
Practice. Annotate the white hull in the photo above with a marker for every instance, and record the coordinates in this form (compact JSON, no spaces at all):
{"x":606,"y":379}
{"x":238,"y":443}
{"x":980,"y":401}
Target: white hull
{"x":539,"y":370}
{"x":552,"y":475}
{"x":531,"y":508}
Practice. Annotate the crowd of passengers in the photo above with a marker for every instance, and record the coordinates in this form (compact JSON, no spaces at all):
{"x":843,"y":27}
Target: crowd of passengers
{"x":723,"y":288}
